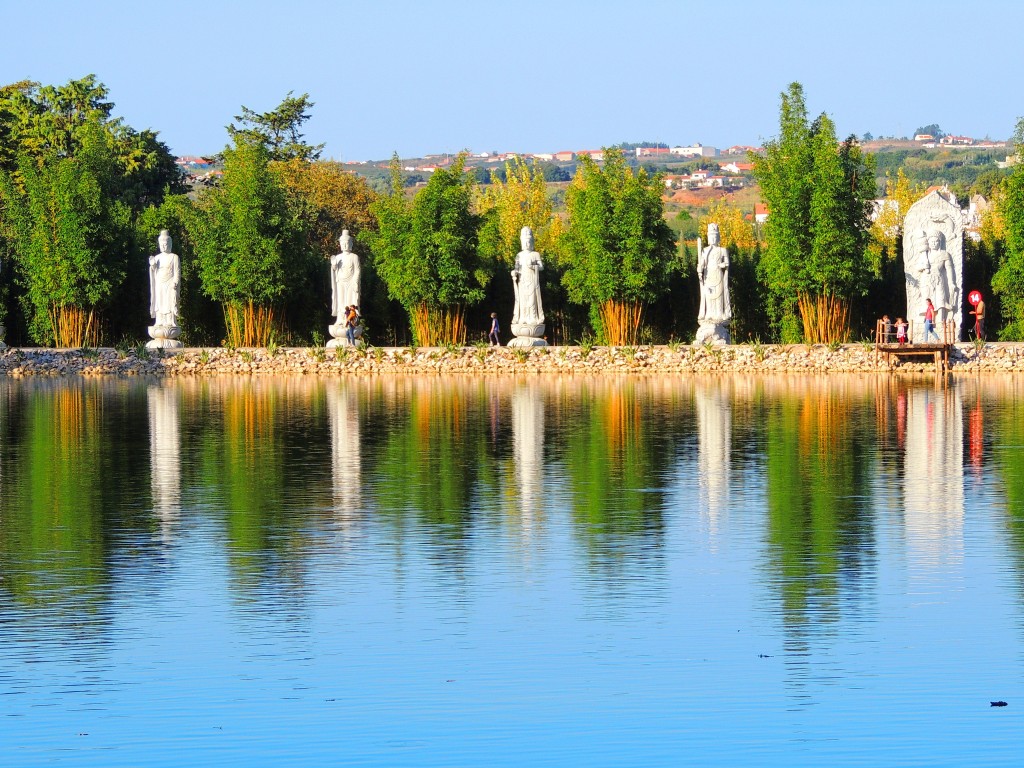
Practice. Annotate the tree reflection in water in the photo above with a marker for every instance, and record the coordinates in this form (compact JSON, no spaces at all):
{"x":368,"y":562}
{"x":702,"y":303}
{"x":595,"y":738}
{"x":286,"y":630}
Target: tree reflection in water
{"x":820,"y":525}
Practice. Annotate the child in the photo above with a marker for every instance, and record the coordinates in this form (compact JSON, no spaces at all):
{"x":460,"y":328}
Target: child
{"x":492,"y":337}
{"x":901,"y":331}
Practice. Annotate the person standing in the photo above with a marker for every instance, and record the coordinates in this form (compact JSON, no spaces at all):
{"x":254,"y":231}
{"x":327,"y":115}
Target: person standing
{"x":351,"y":323}
{"x":901,"y":331}
{"x":979,"y":320}
{"x":492,"y":337}
{"x":929,"y":321}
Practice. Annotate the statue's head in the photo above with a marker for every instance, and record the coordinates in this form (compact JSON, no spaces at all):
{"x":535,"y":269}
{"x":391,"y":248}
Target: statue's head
{"x":345,"y":241}
{"x":936,"y":240}
{"x":526,"y":238}
{"x":164,"y":241}
{"x":713,"y":237}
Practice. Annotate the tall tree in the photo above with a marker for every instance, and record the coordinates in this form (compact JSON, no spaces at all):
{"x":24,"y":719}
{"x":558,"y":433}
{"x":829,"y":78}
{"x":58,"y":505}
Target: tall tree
{"x":1008,"y":281}
{"x":55,"y":139}
{"x":618,"y":249}
{"x":70,"y":236}
{"x":887,"y":226}
{"x":332,"y":199}
{"x":250,"y":244}
{"x":519,"y":200}
{"x":279,"y":130}
{"x":819,"y":194}
{"x":427,"y":252}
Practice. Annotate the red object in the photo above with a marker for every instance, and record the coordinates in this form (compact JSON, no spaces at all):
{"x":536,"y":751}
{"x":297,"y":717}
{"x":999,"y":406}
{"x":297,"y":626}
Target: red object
{"x":974,"y":297}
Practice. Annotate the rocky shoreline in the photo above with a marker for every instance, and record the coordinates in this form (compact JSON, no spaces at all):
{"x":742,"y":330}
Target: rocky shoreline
{"x":741,"y":358}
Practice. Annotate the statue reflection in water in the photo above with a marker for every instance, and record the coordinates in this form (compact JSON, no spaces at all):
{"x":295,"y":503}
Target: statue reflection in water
{"x":528,"y":450}
{"x":933,"y":484}
{"x":714,"y":424}
{"x":346,"y":464}
{"x":165,"y":456}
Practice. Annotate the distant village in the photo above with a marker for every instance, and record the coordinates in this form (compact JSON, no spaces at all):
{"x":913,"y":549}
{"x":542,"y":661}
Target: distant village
{"x":734,"y":173}
{"x":731,"y":171}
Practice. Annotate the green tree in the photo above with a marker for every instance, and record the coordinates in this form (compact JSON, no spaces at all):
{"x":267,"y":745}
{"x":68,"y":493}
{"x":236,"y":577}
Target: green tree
{"x":819,"y":194}
{"x":328,"y":199}
{"x":279,"y":130}
{"x":1008,"y":281}
{"x":69,"y":236}
{"x":518,"y":200}
{"x":618,"y":249}
{"x":250,"y":244}
{"x":932,"y":129}
{"x":427,"y":252}
{"x":75,"y":180}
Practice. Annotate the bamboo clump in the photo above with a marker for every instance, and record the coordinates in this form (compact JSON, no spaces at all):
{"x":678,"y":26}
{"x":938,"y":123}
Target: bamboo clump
{"x":621,"y":322}
{"x":248,"y":324}
{"x":73,"y":326}
{"x":826,"y":318}
{"x":433,"y":327}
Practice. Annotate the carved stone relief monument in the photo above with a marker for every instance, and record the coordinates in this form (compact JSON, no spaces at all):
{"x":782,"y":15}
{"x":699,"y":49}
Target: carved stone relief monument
{"x":933,"y":258}
{"x":345,"y":272}
{"x":528,"y":314}
{"x":164,"y":279}
{"x":713,"y":273}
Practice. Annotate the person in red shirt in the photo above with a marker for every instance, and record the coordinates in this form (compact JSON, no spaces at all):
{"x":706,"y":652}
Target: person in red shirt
{"x":929,"y":321}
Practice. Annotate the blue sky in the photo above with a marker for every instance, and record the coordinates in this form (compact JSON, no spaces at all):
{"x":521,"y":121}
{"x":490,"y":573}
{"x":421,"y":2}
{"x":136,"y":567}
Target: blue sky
{"x":531,"y":76}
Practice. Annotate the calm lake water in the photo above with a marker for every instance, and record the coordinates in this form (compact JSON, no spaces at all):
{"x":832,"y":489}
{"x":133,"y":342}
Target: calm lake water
{"x":534,"y":571}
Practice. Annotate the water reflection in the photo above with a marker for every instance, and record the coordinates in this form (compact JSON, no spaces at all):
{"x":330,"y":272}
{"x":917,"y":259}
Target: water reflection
{"x":933,"y":487}
{"x":431,"y":455}
{"x":165,"y":457}
{"x":818,"y":455}
{"x":1006,"y":437}
{"x":559,"y":517}
{"x":713,"y":405}
{"x":346,"y":452}
{"x":528,"y":450}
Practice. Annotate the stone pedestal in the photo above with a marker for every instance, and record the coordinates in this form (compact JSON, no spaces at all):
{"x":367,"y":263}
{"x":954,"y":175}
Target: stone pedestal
{"x":709,"y":330}
{"x":164,"y":337}
{"x":339,"y":337}
{"x":528,"y":335}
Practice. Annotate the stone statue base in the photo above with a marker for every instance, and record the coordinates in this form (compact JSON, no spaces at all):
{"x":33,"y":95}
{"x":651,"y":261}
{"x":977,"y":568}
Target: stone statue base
{"x":339,"y":337}
{"x":709,"y":330}
{"x":528,"y":335}
{"x":164,"y":337}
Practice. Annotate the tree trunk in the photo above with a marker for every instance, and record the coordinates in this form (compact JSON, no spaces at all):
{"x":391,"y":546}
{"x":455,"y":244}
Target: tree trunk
{"x":249,"y":325}
{"x":826,"y":318}
{"x":74,"y":327}
{"x":433,"y":327}
{"x":621,"y":322}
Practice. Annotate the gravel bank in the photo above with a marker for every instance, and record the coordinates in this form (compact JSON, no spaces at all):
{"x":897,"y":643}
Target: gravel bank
{"x":745,"y":358}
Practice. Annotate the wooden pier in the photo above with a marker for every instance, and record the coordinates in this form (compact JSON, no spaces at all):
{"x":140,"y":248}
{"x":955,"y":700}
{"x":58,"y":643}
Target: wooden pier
{"x":938,"y":351}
